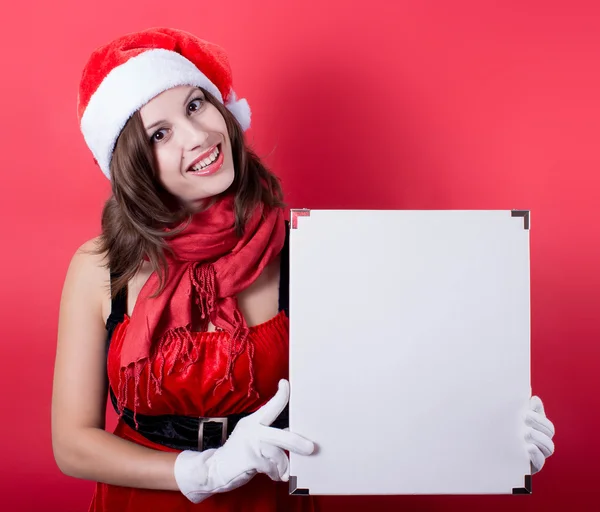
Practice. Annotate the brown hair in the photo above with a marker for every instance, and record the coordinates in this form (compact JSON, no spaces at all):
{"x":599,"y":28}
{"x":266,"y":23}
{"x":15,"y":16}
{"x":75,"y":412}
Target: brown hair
{"x":135,"y":216}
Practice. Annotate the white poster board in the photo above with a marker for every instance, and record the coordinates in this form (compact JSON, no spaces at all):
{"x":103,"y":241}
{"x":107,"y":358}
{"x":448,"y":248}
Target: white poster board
{"x":410,"y":351}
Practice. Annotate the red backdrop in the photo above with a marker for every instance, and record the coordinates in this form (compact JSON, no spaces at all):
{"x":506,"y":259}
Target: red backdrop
{"x":379,"y":104}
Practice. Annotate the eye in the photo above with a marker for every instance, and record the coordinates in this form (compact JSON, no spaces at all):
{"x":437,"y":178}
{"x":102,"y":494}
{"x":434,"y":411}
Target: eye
{"x":158,"y":136}
{"x":195,"y":105}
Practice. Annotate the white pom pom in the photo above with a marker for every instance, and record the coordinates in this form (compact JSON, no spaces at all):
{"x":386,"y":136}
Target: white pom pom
{"x":240,"y":109}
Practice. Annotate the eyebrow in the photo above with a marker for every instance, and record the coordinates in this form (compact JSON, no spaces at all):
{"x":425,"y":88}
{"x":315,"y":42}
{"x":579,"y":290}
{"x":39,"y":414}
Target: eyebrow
{"x":191,"y":93}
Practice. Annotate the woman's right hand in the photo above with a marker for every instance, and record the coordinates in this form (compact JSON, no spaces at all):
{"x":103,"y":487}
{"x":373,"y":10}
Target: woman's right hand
{"x":253,"y":447}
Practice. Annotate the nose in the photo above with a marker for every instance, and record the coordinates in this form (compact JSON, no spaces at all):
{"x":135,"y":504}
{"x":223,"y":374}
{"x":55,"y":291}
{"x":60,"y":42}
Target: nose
{"x":191,"y":135}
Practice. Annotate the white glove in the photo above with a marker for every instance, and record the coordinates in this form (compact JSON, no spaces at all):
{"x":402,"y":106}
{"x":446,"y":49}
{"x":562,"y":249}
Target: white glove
{"x":539,"y":434}
{"x":253,"y":447}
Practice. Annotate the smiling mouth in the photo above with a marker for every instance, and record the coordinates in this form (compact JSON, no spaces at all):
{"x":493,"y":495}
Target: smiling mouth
{"x":209,"y":163}
{"x":203,"y":164}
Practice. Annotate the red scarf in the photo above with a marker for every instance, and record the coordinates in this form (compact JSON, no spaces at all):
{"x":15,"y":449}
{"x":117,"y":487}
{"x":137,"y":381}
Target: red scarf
{"x":209,"y":266}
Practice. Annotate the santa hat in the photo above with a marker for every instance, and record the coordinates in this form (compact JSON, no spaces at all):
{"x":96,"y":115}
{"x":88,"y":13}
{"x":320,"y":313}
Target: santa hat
{"x":127,"y":73}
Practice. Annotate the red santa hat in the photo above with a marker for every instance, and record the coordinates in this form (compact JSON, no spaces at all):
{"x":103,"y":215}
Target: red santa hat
{"x":127,"y":73}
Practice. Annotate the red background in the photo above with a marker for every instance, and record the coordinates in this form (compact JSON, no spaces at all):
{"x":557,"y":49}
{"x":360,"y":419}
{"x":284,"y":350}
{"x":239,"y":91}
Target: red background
{"x":378,"y":104}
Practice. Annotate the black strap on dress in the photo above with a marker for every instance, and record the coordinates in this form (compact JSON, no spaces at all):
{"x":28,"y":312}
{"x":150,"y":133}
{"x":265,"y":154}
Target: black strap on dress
{"x":118,"y":309}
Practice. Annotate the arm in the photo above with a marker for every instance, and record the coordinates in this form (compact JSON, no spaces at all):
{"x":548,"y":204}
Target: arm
{"x":82,"y":448}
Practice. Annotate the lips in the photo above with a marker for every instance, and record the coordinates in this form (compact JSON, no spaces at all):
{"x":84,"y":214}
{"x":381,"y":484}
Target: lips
{"x":198,"y":160}
{"x":207,"y":163}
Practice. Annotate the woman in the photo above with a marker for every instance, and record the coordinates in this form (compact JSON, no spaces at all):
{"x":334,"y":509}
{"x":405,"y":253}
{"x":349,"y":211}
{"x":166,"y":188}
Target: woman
{"x":192,"y":238}
{"x":185,"y":278}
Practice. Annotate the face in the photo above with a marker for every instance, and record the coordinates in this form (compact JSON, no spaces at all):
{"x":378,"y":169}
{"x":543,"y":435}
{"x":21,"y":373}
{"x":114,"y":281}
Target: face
{"x":191,"y":144}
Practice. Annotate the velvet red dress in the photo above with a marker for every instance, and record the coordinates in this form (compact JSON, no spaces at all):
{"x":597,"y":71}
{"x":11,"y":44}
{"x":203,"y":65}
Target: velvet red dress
{"x":189,"y":389}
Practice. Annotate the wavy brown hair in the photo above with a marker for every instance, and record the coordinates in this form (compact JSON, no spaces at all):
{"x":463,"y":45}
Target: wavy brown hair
{"x":134,"y":218}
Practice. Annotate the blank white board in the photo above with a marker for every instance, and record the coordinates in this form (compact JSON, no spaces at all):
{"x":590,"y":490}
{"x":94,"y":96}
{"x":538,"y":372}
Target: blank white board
{"x":410,"y":351}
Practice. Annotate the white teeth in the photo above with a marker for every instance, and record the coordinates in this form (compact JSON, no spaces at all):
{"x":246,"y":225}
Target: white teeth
{"x":207,"y":161}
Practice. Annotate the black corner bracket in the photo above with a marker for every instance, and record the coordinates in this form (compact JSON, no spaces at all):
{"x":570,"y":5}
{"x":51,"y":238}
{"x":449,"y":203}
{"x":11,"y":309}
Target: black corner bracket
{"x":294,"y":488}
{"x":524,"y":490}
{"x":521,"y":213}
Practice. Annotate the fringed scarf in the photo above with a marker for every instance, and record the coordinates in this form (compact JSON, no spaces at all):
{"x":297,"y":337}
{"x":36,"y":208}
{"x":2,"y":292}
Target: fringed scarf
{"x":209,"y":266}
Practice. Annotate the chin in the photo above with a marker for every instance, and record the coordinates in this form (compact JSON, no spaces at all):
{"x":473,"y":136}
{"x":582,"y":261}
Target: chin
{"x":221,"y":183}
{"x":215,"y":188}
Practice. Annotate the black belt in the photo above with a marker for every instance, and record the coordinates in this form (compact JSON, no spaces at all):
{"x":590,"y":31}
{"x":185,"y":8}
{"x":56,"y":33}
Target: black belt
{"x":187,"y":432}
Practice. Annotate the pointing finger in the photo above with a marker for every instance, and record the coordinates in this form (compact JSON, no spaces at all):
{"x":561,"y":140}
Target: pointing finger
{"x":287,"y":440}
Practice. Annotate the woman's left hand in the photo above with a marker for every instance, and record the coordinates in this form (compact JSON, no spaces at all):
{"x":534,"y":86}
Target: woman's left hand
{"x":539,"y":434}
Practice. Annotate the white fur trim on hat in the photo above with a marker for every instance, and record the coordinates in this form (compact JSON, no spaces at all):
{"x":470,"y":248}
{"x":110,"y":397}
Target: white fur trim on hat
{"x":130,"y":86}
{"x":240,"y":109}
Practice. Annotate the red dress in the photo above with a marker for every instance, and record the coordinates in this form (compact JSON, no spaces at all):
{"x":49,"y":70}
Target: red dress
{"x":190,"y":390}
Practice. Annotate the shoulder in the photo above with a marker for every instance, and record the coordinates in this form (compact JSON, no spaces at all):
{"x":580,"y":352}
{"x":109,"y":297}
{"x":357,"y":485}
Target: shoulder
{"x":88,"y":261}
{"x":88,"y":276}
